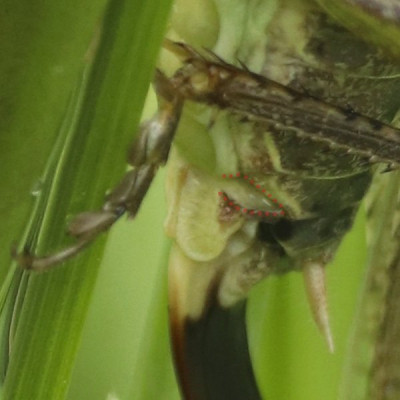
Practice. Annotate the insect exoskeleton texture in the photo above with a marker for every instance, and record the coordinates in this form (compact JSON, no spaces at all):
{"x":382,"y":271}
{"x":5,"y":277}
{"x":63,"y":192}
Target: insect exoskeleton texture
{"x":312,"y":141}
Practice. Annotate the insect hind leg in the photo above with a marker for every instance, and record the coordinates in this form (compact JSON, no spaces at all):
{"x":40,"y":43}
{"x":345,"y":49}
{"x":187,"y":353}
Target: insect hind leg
{"x":149,"y":151}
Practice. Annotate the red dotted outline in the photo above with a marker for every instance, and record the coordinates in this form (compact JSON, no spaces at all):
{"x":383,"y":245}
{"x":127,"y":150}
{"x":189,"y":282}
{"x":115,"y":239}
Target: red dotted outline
{"x":251,"y":212}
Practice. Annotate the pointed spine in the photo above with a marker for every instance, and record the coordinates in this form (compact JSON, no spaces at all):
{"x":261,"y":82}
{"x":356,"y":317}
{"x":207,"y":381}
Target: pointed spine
{"x":314,"y":280}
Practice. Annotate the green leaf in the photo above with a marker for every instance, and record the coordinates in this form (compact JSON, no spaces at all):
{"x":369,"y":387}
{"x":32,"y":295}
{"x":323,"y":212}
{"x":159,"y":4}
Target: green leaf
{"x":88,"y":158}
{"x":43,"y":48}
{"x":372,"y":364}
{"x":376,"y":21}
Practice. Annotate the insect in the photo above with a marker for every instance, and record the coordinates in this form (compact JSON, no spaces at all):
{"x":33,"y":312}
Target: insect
{"x":301,"y":148}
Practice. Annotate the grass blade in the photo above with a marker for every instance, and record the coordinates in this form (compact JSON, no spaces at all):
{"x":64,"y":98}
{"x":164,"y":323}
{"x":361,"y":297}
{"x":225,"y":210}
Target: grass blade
{"x":55,"y":303}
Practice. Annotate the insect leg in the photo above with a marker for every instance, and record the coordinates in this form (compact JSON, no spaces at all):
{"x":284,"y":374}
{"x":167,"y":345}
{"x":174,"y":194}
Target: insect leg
{"x":149,"y":151}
